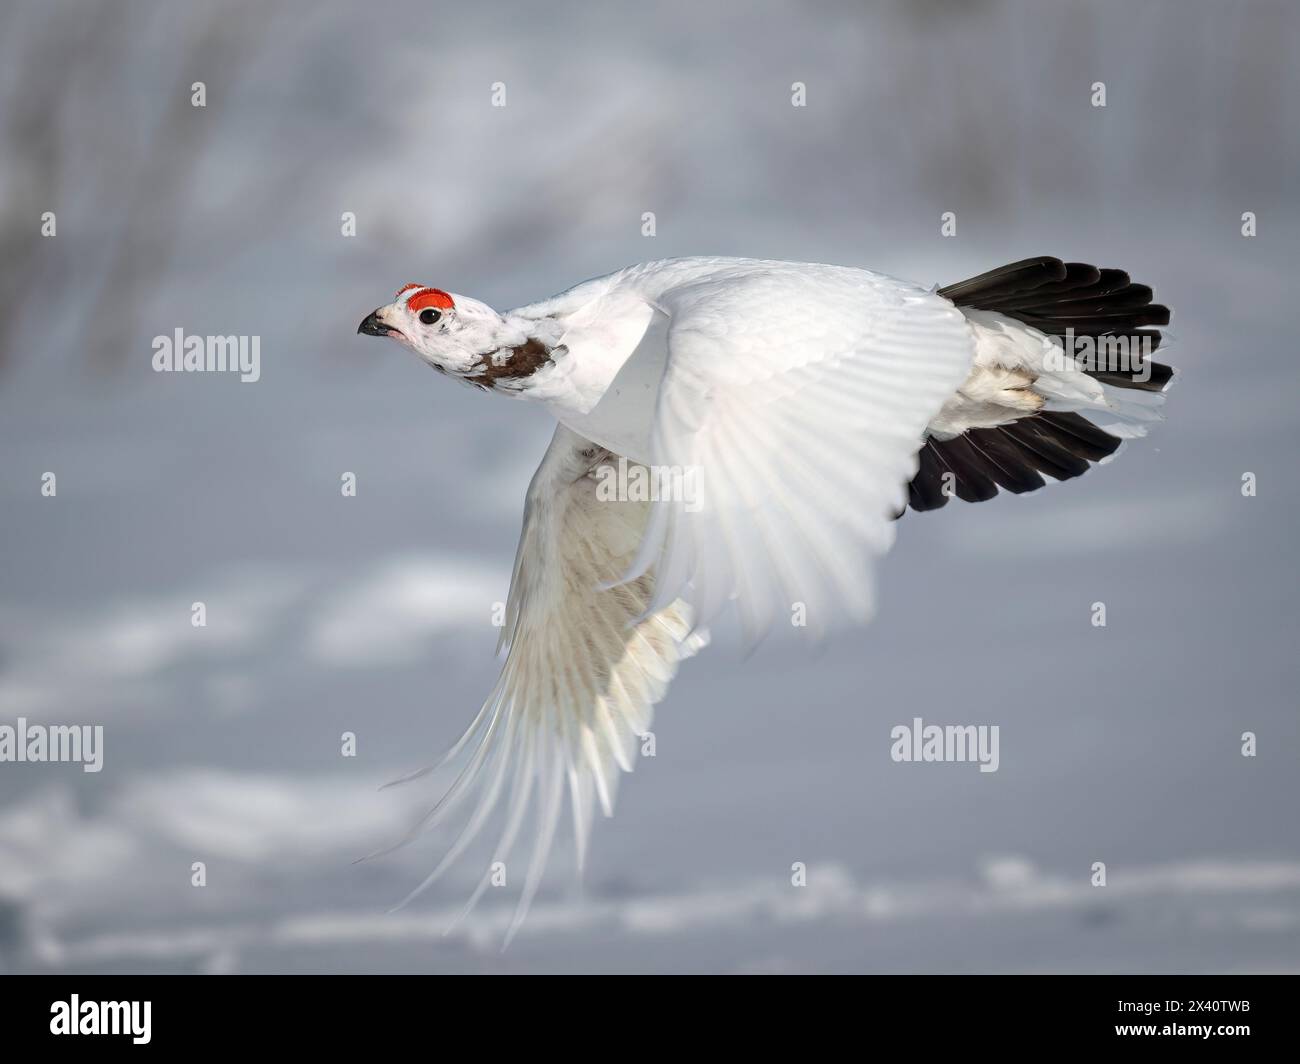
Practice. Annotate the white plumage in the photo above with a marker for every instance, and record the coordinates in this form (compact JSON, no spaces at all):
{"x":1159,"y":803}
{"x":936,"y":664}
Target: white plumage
{"x":798,"y":394}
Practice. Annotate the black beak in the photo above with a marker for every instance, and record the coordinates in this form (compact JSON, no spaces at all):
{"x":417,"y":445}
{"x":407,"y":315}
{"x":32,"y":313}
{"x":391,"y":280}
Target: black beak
{"x":372,"y":326}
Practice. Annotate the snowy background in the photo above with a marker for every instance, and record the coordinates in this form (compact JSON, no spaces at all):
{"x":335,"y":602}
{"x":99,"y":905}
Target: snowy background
{"x":372,"y":614}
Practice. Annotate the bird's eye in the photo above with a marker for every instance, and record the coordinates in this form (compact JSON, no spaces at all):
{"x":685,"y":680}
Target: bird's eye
{"x":428,"y":315}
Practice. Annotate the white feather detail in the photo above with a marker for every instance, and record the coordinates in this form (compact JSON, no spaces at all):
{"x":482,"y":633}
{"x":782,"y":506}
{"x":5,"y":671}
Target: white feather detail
{"x":584,"y":668}
{"x":799,"y":395}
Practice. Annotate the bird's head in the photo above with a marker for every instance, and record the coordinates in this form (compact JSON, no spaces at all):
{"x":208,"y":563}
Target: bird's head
{"x":453,"y":333}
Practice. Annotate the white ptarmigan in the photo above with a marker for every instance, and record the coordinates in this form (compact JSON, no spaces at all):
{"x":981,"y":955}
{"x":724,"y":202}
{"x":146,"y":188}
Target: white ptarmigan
{"x":806,"y":406}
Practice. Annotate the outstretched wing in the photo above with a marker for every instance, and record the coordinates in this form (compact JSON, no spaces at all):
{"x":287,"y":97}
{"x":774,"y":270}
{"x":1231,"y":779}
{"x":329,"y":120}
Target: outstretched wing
{"x":586,"y":664}
{"x":794,"y":401}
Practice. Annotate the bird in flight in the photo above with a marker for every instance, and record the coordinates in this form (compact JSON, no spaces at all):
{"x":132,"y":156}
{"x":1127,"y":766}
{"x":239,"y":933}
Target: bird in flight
{"x":788,"y":413}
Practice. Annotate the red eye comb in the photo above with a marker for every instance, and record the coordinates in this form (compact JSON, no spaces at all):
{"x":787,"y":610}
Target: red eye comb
{"x":429,"y":297}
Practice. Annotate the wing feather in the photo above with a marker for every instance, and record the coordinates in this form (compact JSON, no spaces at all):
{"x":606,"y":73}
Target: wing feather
{"x":585,"y":664}
{"x":798,"y":396}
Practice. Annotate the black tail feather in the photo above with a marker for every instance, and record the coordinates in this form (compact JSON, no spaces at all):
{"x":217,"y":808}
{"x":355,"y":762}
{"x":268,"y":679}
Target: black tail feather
{"x":1054,"y":296}
{"x":1013,"y":457}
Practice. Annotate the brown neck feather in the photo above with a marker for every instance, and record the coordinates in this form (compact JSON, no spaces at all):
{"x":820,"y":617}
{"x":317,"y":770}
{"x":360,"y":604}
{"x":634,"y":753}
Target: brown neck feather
{"x":520,"y":362}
